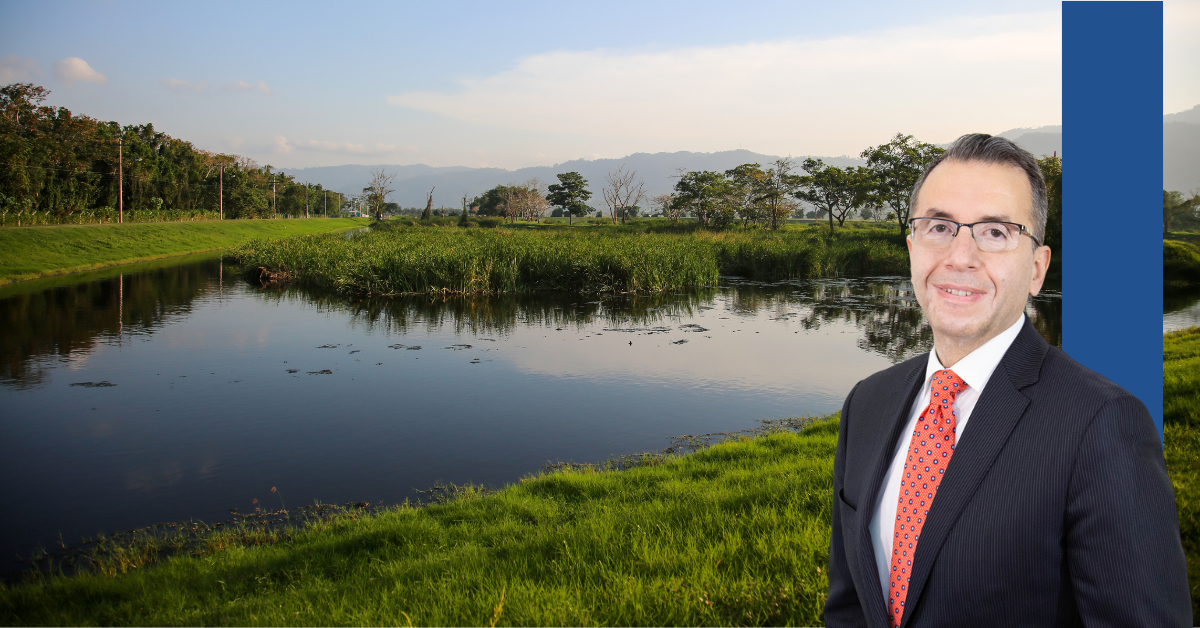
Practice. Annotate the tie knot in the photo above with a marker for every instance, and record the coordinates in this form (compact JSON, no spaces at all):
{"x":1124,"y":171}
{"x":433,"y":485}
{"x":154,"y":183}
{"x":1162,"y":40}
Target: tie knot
{"x":946,"y":385}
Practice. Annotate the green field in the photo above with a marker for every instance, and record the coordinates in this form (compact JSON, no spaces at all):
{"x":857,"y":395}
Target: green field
{"x":1181,"y":441}
{"x":31,"y":252}
{"x":645,"y":256}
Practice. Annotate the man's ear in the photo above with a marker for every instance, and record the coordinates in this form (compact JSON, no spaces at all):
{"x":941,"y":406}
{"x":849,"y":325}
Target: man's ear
{"x":908,"y":241}
{"x":1041,"y":263}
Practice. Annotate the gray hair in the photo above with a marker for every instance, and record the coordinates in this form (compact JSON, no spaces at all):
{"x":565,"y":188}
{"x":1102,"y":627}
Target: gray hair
{"x":990,"y":149}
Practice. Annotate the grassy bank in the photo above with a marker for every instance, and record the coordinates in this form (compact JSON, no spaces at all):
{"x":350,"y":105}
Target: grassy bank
{"x":1181,"y":441}
{"x":31,"y":252}
{"x":737,"y":533}
{"x":640,"y":257}
{"x":1181,"y":262}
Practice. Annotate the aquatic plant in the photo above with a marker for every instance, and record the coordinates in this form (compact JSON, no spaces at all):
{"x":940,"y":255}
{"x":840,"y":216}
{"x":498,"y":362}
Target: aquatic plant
{"x":398,"y":260}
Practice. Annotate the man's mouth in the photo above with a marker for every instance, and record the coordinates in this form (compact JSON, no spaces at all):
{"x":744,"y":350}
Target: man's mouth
{"x":959,"y":292}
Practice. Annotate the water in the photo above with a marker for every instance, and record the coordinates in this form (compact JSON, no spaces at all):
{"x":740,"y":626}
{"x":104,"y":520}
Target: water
{"x":1181,"y":308}
{"x":179,"y":390}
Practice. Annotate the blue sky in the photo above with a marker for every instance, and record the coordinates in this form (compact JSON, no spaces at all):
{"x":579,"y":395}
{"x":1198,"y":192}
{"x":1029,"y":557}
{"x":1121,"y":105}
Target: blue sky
{"x":534,"y":83}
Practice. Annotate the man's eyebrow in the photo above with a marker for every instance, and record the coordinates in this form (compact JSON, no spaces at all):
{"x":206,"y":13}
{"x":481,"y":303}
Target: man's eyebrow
{"x":934,"y":212}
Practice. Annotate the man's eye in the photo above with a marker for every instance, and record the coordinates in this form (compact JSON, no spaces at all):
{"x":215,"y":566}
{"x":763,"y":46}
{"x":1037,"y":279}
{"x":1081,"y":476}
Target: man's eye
{"x":940,"y":228}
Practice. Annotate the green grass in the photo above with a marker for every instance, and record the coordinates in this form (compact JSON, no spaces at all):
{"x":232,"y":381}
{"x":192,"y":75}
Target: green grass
{"x":1181,"y":261}
{"x":1181,"y":441}
{"x":645,"y":256}
{"x":31,"y":252}
{"x":734,"y":534}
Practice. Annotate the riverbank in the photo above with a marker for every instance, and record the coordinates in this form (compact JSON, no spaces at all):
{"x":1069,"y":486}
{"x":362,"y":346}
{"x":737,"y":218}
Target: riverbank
{"x":642,"y":257}
{"x":1181,"y":260}
{"x":32,"y":252}
{"x":735,"y":533}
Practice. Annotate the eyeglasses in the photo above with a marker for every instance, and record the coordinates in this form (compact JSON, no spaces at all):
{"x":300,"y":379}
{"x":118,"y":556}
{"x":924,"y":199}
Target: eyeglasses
{"x":990,"y":237}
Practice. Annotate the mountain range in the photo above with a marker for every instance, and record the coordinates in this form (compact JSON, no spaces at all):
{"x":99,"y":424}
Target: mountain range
{"x":1181,"y":167}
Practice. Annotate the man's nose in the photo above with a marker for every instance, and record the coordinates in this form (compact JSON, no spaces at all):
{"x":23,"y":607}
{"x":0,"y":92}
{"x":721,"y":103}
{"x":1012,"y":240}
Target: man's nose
{"x":963,"y":253}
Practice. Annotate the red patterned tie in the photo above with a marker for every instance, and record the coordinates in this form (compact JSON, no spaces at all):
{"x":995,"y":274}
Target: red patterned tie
{"x":932,"y":446}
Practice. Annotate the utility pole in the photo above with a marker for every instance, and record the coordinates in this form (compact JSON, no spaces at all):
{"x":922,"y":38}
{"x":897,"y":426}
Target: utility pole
{"x":120,"y":181}
{"x":274,"y":210}
{"x":306,"y":200}
{"x":221,"y":192}
{"x":325,"y":206}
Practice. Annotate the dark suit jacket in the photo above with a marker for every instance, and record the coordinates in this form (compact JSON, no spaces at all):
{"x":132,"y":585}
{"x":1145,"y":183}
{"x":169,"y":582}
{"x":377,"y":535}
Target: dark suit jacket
{"x":1056,"y":509}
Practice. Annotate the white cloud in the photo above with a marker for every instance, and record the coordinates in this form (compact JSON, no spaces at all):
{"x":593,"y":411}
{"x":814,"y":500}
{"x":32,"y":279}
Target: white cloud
{"x":346,"y":147}
{"x":234,"y":142}
{"x":281,"y":145}
{"x":831,"y":96}
{"x":14,"y":69}
{"x":177,"y":85}
{"x":243,"y":86}
{"x":75,"y":70}
{"x":1181,"y":55}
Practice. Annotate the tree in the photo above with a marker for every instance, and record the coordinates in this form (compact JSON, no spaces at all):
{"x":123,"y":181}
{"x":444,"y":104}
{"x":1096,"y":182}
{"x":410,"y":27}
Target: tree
{"x":701,"y":193}
{"x":623,"y":190}
{"x":668,"y":206}
{"x":777,"y":186}
{"x":896,"y":166}
{"x":490,"y":203}
{"x":828,"y":188}
{"x":745,"y":191}
{"x":1052,"y":172}
{"x":570,"y":194}
{"x":523,"y":201}
{"x":377,"y":192}
{"x":1175,"y":205}
{"x":428,"y":213}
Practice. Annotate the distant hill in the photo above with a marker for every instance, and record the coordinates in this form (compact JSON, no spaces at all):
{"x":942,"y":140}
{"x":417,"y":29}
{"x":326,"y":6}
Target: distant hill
{"x":1181,"y":167}
{"x":415,"y":181}
{"x":1181,"y":150}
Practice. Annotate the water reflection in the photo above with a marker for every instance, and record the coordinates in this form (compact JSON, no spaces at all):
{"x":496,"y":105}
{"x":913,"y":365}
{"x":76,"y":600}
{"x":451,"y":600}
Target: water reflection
{"x":41,"y":327}
{"x":179,"y":390}
{"x":1181,"y":308}
{"x":884,"y":309}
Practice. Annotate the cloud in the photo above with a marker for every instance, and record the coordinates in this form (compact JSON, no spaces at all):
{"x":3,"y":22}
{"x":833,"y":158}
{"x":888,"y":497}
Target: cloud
{"x":14,"y":69}
{"x":830,"y":96}
{"x":75,"y":70}
{"x":243,"y":86}
{"x":281,"y":145}
{"x":177,"y":85}
{"x":235,"y":142}
{"x":346,"y":147}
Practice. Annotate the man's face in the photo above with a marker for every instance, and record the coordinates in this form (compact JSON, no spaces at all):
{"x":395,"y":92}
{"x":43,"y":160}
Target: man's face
{"x":989,"y":289}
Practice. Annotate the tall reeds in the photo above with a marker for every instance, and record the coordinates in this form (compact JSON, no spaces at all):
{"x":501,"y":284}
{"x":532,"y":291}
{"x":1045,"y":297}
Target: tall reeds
{"x":423,"y":260}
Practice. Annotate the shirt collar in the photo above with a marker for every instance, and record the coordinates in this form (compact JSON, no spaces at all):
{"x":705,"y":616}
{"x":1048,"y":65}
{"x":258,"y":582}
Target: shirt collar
{"x":977,"y":367}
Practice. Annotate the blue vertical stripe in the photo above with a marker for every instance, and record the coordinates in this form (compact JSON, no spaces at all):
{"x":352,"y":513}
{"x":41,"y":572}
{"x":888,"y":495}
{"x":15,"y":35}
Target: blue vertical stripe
{"x":1112,"y":233}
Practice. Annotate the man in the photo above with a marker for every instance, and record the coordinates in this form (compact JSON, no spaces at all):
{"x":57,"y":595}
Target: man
{"x":995,"y":481}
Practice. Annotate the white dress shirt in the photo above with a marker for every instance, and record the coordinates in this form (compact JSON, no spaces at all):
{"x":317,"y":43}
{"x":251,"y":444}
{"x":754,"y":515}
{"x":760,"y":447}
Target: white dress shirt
{"x":975,"y":369}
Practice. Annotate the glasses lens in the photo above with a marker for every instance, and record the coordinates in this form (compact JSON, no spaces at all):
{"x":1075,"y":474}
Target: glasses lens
{"x":932,"y":232}
{"x":996,"y":236}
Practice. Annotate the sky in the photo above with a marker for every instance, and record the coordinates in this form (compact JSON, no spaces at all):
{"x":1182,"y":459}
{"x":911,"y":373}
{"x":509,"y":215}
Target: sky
{"x":538,"y":83}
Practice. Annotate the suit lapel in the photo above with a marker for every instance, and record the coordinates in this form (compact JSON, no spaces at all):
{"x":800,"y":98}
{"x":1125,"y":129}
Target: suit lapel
{"x":877,"y":606}
{"x":997,"y":412}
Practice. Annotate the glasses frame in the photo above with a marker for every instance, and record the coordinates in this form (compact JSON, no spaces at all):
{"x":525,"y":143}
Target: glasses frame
{"x":959,"y":225}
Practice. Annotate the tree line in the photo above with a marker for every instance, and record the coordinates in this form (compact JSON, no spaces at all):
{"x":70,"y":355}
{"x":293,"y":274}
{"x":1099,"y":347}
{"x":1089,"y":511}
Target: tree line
{"x":57,"y":167}
{"x":754,"y":195}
